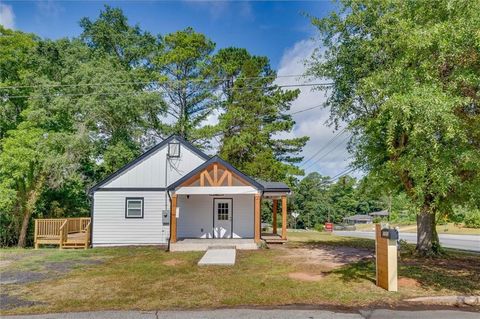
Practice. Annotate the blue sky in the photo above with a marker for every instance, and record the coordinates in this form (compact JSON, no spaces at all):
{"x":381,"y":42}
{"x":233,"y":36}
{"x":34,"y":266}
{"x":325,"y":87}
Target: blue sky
{"x":265,"y":28}
{"x":279,"y":30}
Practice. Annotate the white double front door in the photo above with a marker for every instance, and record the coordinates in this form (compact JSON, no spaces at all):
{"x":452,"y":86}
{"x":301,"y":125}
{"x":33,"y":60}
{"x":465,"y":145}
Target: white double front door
{"x":222,"y":217}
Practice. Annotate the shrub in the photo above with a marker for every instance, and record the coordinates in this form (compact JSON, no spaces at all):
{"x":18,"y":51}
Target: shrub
{"x":377,"y":220}
{"x":319,"y":227}
{"x":472,"y":219}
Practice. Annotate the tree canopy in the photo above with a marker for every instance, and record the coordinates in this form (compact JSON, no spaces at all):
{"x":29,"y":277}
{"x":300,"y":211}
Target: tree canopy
{"x":74,"y":110}
{"x":406,"y":79}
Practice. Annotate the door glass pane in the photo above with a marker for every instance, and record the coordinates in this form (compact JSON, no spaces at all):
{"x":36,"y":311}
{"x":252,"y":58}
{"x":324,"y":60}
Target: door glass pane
{"x":222,"y":211}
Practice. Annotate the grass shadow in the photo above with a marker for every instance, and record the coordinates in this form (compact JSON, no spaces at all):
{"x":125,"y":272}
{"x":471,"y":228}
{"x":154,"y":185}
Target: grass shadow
{"x":459,"y":273}
{"x":361,"y":270}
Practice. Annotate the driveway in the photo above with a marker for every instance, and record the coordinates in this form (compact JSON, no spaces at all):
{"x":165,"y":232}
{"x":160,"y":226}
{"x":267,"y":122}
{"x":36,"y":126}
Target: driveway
{"x":256,"y":313}
{"x":465,"y":242}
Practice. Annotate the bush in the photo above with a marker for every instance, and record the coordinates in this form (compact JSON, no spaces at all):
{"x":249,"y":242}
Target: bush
{"x":377,"y":220}
{"x":472,"y":219}
{"x":319,"y":227}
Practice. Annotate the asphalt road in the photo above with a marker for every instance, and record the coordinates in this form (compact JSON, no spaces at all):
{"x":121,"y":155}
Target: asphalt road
{"x":465,"y":242}
{"x":255,"y":313}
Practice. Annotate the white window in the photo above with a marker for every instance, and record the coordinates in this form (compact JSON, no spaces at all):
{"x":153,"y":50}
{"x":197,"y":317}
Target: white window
{"x":134,"y":207}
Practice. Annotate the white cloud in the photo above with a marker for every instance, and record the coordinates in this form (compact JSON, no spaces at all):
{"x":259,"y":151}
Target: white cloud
{"x":335,"y":158}
{"x":7,"y":17}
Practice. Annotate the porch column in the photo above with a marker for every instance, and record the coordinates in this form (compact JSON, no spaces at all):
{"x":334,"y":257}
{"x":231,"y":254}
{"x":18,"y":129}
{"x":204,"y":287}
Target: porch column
{"x":173,"y":219}
{"x":274,"y":219}
{"x":284,"y":216}
{"x":257,"y":224}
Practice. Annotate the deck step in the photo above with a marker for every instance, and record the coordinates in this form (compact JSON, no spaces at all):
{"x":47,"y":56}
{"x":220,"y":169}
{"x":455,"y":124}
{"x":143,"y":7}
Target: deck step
{"x":274,"y":240}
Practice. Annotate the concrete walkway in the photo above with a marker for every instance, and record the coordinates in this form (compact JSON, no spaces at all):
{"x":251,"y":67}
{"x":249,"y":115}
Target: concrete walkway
{"x":256,"y":313}
{"x":219,"y":256}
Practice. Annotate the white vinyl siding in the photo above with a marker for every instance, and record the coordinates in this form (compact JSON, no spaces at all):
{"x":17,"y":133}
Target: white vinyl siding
{"x":150,"y":172}
{"x":111,"y":228}
{"x":195,"y":219}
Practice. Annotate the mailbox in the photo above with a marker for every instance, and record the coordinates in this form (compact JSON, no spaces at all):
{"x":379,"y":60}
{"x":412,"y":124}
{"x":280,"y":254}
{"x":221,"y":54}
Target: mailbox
{"x":386,"y":257}
{"x":166,"y":217}
{"x":389,"y":233}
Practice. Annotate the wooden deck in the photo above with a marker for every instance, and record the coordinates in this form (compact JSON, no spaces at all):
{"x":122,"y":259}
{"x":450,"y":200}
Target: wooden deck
{"x":64,"y":232}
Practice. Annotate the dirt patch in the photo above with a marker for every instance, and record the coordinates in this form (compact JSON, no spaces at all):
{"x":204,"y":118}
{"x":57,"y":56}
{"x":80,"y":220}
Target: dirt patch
{"x":303,"y":276}
{"x":408,"y":282}
{"x":10,"y":302}
{"x":5,"y":263}
{"x":50,"y":270}
{"x":21,"y":277}
{"x":326,"y":258}
{"x":173,"y":262}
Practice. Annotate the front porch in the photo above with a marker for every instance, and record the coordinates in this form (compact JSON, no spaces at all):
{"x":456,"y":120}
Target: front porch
{"x":216,"y":202}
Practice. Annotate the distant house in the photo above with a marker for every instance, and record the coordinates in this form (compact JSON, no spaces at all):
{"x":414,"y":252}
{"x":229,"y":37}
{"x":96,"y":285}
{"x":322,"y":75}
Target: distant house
{"x":382,"y":214}
{"x":358,"y":219}
{"x":175,"y":192}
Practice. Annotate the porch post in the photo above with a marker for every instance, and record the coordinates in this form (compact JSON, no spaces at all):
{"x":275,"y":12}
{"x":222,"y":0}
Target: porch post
{"x":257,"y":225}
{"x":274,"y":219}
{"x":173,"y":219}
{"x":284,"y":216}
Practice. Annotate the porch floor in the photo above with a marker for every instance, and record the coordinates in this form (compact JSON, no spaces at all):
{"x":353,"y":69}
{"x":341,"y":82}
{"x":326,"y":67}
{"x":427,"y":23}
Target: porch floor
{"x":202,"y":244}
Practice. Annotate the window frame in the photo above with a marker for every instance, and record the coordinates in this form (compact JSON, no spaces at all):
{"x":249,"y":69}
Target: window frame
{"x":168,"y":149}
{"x":141,"y":199}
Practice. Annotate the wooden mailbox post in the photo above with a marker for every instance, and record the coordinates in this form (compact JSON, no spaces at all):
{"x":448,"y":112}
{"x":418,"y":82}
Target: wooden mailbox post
{"x":386,"y":257}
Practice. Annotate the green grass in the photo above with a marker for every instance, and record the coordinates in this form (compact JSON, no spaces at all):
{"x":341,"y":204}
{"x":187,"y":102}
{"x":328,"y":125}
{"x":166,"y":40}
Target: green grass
{"x":149,"y":278}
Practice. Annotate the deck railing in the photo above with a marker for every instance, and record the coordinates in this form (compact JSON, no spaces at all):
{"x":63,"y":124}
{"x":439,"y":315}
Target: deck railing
{"x":65,"y":232}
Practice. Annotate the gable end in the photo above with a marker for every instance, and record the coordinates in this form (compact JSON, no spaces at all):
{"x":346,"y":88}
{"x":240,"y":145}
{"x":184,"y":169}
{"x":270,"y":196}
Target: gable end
{"x":146,"y":155}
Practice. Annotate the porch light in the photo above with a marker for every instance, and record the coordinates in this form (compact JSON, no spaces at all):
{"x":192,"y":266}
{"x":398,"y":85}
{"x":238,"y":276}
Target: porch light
{"x":174,"y":149}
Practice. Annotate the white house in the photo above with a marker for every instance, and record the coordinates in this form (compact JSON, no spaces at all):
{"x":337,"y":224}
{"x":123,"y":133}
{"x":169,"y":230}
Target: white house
{"x":174,"y":192}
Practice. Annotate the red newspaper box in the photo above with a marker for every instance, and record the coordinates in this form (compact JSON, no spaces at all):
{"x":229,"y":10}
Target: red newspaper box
{"x":329,"y":227}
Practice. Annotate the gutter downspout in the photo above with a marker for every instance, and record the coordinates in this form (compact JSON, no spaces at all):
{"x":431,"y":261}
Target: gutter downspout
{"x":170,"y":222}
{"x":92,"y":205}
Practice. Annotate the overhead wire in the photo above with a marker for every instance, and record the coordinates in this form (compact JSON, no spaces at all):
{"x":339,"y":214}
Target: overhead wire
{"x":158,"y":82}
{"x":329,"y":152}
{"x":341,"y":174}
{"x":57,"y":94}
{"x":324,"y":147}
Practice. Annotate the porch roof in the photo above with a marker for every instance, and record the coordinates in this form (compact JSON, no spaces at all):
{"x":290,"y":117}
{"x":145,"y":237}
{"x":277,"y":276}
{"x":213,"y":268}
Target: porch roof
{"x":216,"y":190}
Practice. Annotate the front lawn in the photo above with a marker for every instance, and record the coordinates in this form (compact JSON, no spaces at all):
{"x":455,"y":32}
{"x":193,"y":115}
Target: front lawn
{"x":313,"y":268}
{"x":449,"y":228}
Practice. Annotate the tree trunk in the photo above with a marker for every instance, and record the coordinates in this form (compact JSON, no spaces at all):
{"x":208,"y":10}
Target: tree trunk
{"x":29,"y":206}
{"x":22,"y":237}
{"x":427,"y":237}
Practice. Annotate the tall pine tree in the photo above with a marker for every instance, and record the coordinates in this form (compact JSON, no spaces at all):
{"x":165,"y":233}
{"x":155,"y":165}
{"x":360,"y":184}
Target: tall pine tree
{"x":254,"y":116}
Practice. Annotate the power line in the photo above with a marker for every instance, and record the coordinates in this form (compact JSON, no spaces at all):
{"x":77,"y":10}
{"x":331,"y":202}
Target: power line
{"x":58,"y":94}
{"x":341,"y":174}
{"x":307,"y":109}
{"x":324,"y":147}
{"x":153,"y":82}
{"x":326,"y":154}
